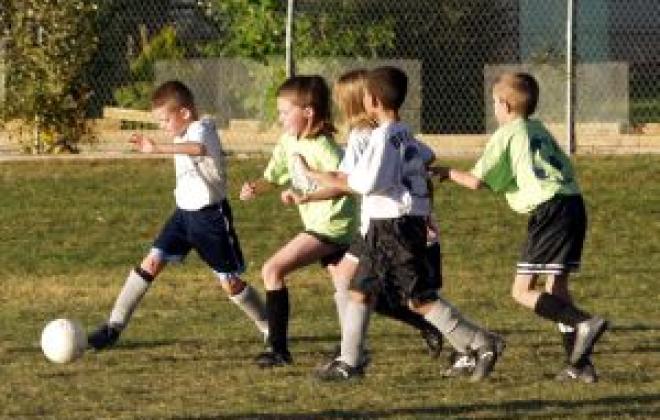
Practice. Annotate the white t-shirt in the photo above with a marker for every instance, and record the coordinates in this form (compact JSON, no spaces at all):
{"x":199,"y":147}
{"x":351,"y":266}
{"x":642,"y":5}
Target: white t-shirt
{"x":200,"y":180}
{"x":391,"y":175}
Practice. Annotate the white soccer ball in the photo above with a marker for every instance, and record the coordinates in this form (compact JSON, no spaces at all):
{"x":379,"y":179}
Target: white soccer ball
{"x":63,"y":341}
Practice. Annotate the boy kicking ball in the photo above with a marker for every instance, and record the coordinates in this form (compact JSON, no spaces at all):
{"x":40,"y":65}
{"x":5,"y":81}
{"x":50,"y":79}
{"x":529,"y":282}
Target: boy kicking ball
{"x":523,"y":161}
{"x":202,"y":219}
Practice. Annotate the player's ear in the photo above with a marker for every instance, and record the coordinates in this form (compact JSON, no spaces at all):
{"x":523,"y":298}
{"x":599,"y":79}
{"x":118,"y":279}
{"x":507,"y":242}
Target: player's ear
{"x":186,"y":113}
{"x":308,"y":112}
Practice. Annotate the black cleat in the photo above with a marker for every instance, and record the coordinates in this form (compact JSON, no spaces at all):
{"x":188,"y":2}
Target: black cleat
{"x":106,"y":335}
{"x":271,"y":359}
{"x":586,"y":374}
{"x":338,"y":371}
{"x":587,"y":334}
{"x":487,"y":356}
{"x":433,"y":339}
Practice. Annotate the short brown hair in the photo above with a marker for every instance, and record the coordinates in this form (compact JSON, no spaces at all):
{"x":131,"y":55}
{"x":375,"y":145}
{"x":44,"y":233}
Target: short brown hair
{"x":519,"y":90}
{"x":389,"y":85}
{"x":173,"y":92}
{"x":310,"y":91}
{"x":348,"y":93}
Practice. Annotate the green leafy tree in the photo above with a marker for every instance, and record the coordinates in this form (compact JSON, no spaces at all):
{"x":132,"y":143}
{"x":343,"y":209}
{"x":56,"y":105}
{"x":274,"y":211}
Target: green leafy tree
{"x":163,"y":46}
{"x":48,"y":44}
{"x":255,"y":29}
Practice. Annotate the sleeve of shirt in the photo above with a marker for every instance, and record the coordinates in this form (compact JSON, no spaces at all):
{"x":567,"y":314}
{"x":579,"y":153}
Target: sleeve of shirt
{"x":277,"y":170}
{"x":328,"y":157}
{"x":428,"y":155}
{"x":195,"y":133}
{"x":370,"y":174}
{"x":350,"y":156}
{"x":494,"y":167}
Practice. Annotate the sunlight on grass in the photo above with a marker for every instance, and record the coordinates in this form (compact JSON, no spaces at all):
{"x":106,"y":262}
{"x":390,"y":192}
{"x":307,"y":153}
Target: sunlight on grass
{"x":72,"y":230}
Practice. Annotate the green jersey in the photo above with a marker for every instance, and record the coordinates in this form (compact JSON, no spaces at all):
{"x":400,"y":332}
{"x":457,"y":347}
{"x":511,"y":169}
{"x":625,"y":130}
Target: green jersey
{"x":523,"y":161}
{"x":334,"y":218}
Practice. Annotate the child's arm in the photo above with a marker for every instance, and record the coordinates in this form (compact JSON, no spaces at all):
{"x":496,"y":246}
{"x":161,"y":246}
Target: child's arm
{"x":325,"y":193}
{"x":465,"y":179}
{"x":144,"y":144}
{"x":333,"y":180}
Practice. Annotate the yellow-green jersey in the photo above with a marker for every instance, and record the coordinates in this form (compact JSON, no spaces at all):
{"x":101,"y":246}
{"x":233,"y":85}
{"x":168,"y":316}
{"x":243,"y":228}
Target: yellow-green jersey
{"x":335,"y":219}
{"x":523,"y":160}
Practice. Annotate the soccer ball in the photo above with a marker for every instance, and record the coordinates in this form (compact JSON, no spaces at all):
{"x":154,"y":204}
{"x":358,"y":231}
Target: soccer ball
{"x":63,"y":341}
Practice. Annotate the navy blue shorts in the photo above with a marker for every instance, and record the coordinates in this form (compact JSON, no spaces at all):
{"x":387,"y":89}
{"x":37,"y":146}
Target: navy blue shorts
{"x":210,"y":232}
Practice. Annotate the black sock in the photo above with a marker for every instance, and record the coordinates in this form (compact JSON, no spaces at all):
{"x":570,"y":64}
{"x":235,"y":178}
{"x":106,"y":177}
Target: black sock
{"x":402,"y":313}
{"x":558,"y":310}
{"x":277,"y":307}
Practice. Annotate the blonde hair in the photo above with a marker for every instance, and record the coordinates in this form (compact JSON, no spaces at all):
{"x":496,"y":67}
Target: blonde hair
{"x":519,"y":90}
{"x":348,"y":94}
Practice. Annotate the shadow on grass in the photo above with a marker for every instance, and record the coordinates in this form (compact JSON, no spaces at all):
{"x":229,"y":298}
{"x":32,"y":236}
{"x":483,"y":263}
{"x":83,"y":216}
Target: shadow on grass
{"x":642,"y":406}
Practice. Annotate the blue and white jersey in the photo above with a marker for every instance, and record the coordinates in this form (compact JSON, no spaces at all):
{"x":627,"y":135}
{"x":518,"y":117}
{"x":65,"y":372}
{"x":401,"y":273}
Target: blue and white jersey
{"x":391,"y":175}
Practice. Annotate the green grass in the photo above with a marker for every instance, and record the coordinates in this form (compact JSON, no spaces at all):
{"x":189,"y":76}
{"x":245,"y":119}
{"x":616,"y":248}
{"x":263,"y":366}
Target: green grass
{"x":72,"y":230}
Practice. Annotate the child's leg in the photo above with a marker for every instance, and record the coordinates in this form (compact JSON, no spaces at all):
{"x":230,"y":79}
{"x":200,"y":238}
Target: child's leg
{"x":464,"y":336}
{"x":546,"y":305}
{"x":555,"y":308}
{"x":247,"y":299}
{"x":341,"y":274}
{"x":354,"y":330}
{"x":558,"y":286}
{"x":135,"y":287}
{"x":302,"y":250}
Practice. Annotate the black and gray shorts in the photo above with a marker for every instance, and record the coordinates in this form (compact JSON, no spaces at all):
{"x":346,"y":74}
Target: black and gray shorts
{"x":555,"y":235}
{"x":393,"y":261}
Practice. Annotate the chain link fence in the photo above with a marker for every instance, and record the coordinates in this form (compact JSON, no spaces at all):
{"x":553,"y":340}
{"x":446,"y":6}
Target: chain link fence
{"x":232,"y":55}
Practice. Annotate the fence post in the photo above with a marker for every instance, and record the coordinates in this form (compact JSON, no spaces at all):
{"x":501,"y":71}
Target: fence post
{"x":570,"y":94}
{"x":290,"y":70}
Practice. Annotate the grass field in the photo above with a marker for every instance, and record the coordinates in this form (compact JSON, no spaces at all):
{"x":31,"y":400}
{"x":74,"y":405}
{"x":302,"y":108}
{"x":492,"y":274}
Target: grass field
{"x":72,"y":230}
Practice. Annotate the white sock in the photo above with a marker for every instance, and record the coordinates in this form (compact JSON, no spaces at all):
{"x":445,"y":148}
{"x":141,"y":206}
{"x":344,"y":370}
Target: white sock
{"x":341,"y":299}
{"x":252,"y":305}
{"x":462,"y":334}
{"x":356,"y":321}
{"x":130,"y":296}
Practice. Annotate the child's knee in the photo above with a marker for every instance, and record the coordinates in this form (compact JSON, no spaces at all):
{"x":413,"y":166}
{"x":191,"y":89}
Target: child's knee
{"x":272,"y":275}
{"x":152,"y":264}
{"x":232,"y":285}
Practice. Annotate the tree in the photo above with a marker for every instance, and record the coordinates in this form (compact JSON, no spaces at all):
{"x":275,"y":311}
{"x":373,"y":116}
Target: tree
{"x":49,"y":44}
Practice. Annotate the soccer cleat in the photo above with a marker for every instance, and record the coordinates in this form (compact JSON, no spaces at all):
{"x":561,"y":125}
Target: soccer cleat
{"x":363,"y":362}
{"x":487,"y":356}
{"x":462,"y":364}
{"x":587,"y":334}
{"x":586,"y":374}
{"x":338,"y":370}
{"x":104,"y":336}
{"x":271,"y":359}
{"x":433,"y":339}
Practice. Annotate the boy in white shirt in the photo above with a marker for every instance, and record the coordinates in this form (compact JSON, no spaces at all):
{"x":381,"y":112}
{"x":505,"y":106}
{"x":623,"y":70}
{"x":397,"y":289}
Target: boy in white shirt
{"x":201,"y":221}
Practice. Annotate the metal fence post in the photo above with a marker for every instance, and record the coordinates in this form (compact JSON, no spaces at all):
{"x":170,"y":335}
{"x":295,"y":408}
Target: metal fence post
{"x":290,"y":71}
{"x":570,"y":117}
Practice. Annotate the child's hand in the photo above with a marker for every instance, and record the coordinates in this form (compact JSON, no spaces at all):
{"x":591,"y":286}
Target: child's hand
{"x":142,"y":143}
{"x":248,"y":191}
{"x":288,"y":197}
